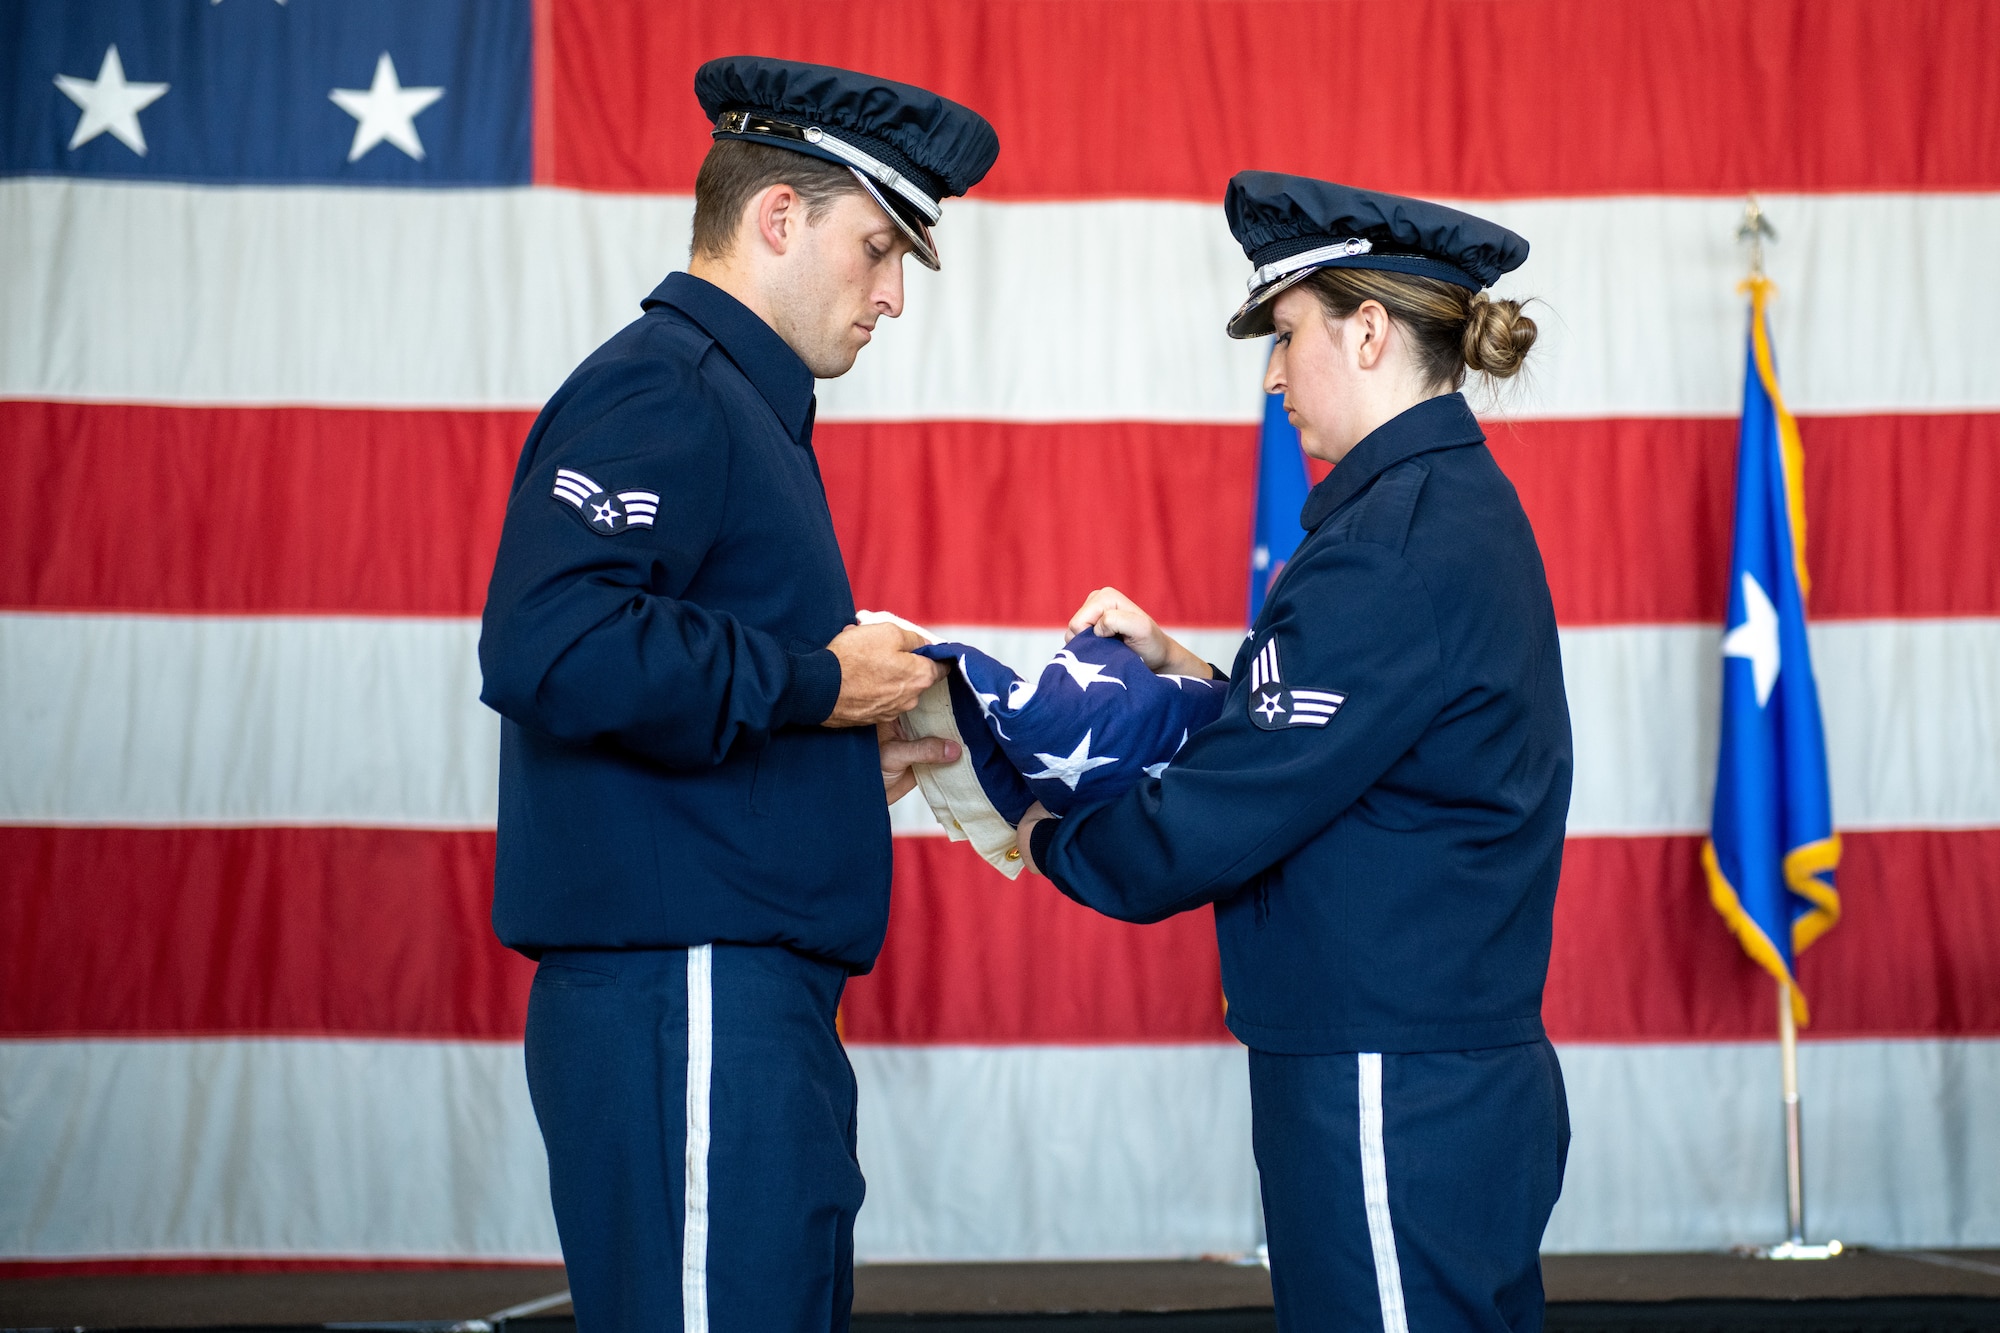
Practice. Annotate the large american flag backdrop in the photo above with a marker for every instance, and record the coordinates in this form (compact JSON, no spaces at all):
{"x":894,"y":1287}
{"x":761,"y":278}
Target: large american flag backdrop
{"x":264,"y":384}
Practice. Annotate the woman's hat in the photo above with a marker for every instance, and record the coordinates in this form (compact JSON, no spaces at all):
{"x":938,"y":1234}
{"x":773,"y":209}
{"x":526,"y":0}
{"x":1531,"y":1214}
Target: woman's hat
{"x":1289,"y":226}
{"x":908,"y":147}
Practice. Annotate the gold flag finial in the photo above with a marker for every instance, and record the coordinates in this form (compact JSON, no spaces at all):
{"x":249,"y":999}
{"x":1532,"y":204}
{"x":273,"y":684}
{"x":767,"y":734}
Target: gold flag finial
{"x":1754,"y":228}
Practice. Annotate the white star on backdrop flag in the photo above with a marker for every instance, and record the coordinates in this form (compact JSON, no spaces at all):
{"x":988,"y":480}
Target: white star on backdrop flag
{"x":385,"y":111}
{"x":110,"y":104}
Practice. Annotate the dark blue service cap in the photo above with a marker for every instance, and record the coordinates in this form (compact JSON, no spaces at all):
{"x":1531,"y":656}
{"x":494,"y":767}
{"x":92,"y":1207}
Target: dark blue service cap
{"x":1292,"y":225}
{"x":909,"y":148}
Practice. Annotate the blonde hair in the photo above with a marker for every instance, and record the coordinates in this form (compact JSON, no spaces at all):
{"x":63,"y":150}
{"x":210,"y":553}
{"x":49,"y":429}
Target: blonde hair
{"x":1452,"y":330}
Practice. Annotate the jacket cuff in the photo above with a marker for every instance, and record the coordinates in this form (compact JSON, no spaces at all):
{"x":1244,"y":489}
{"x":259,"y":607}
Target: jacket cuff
{"x":1038,"y":843}
{"x":813,"y":690}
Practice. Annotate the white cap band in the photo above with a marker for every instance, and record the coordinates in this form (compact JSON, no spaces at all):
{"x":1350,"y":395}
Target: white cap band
{"x":1276,"y":269}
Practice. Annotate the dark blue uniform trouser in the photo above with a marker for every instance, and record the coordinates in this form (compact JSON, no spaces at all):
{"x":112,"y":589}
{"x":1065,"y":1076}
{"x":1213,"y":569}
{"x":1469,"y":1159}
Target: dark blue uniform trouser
{"x":1409,"y":1192}
{"x":698,"y":1110}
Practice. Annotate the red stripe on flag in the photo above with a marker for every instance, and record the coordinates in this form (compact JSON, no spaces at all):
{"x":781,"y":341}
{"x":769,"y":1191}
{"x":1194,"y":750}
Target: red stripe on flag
{"x":975,"y":523}
{"x":252,"y":510}
{"x":193,"y":931}
{"x":975,"y":958}
{"x":373,"y":932}
{"x":1634,"y":518}
{"x":357,"y":512}
{"x":1536,"y":97}
{"x":1640,"y":955}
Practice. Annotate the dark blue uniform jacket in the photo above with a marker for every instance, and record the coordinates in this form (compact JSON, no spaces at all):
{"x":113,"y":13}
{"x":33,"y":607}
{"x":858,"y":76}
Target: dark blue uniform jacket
{"x":663,"y":779}
{"x":1378,"y":814}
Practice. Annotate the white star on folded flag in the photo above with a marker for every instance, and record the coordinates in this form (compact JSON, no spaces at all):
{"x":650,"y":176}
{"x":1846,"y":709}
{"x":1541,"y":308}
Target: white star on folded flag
{"x":385,"y":111}
{"x":110,"y":104}
{"x":1085,"y":674}
{"x":1071,"y":767}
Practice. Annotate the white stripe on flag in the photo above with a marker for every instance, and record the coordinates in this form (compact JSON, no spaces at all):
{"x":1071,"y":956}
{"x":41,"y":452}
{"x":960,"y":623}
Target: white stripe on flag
{"x":416,"y":1150}
{"x":175,"y":293}
{"x":312,"y":720}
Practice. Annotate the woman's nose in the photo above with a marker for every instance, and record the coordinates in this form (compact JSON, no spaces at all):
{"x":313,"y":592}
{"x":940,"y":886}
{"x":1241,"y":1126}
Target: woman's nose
{"x":1274,"y":374}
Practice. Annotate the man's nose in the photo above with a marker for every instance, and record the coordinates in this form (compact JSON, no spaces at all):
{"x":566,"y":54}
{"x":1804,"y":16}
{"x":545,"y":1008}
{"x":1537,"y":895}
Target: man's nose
{"x":889,"y":292}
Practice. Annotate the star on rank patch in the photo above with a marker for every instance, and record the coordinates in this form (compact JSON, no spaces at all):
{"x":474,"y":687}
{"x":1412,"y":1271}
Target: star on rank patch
{"x":1274,"y":706}
{"x":605,"y":512}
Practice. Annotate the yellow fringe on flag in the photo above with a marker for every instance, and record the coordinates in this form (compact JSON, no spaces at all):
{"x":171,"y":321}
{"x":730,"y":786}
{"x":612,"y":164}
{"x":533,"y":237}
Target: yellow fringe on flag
{"x":1792,"y":453}
{"x":1748,"y":933}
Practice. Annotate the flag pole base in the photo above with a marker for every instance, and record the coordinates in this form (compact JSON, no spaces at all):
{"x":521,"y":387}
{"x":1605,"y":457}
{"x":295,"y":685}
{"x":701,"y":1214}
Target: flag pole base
{"x":1798,"y":1249}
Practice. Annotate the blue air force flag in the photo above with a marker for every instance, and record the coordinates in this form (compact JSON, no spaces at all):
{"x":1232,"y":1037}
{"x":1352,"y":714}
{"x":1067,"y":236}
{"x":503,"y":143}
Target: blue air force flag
{"x":1089,"y":724}
{"x":1772,"y":850}
{"x":1282,"y":488}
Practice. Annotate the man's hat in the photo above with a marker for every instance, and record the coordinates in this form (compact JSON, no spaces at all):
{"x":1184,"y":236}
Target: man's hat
{"x":1291,"y":225}
{"x":909,"y":148}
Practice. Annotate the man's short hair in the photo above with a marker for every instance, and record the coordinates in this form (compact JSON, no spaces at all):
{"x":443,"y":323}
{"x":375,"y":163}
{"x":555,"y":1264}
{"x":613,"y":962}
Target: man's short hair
{"x":735,"y":171}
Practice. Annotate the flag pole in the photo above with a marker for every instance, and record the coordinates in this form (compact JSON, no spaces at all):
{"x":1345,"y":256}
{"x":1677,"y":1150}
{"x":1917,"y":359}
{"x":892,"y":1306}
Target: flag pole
{"x":1794,"y":1245}
{"x":1795,"y":1172}
{"x":1754,"y":229}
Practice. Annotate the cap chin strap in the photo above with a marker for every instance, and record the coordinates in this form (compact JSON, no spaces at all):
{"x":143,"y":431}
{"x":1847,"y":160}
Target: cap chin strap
{"x":1278,"y":268}
{"x":743,"y":122}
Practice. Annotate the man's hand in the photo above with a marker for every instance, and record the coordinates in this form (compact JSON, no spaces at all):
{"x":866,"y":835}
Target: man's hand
{"x":898,"y":755}
{"x":880,"y":678}
{"x":1112,"y":615}
{"x":1024,"y":833}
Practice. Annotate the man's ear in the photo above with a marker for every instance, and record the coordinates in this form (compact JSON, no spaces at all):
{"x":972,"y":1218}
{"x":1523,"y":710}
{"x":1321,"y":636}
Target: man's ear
{"x":1371,"y":323}
{"x":777,"y":213}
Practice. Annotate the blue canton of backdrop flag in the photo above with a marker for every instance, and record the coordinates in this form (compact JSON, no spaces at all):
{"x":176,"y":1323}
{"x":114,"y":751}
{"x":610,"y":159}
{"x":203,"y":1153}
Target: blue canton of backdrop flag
{"x":340,"y":92}
{"x":1772,"y":850}
{"x":1281,"y":494}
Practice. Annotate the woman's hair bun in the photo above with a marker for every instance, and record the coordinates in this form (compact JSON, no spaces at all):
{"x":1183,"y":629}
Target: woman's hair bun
{"x":1497,"y":336}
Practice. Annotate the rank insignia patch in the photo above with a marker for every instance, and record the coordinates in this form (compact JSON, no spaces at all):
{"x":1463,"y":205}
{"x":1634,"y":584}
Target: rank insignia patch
{"x":602,"y":511}
{"x":1275,"y":706}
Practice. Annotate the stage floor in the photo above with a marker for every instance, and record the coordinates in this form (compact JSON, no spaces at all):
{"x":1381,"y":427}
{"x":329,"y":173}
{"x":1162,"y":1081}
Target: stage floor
{"x":1581,"y":1289}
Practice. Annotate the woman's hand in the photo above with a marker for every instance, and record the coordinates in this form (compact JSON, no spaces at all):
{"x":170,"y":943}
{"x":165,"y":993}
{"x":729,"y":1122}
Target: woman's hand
{"x":1112,"y":615}
{"x":1024,"y":833}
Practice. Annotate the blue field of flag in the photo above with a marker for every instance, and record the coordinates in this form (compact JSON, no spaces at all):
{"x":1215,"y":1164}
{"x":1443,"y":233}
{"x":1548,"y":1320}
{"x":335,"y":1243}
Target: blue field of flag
{"x":377,"y":92}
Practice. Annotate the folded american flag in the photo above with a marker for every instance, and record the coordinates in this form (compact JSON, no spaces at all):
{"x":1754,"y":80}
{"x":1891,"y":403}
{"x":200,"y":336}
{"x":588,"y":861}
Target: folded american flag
{"x":1090,"y":724}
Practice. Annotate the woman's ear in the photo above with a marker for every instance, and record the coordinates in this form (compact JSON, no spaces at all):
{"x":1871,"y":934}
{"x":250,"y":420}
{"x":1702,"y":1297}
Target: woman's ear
{"x":1370,"y":325}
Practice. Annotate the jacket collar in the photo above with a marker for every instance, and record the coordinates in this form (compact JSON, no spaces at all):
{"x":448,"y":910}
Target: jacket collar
{"x":757,"y":350}
{"x":1444,"y":422}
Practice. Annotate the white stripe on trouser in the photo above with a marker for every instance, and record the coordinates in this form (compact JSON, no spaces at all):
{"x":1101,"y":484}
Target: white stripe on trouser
{"x":1375,"y":1196}
{"x":700,"y":1065}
